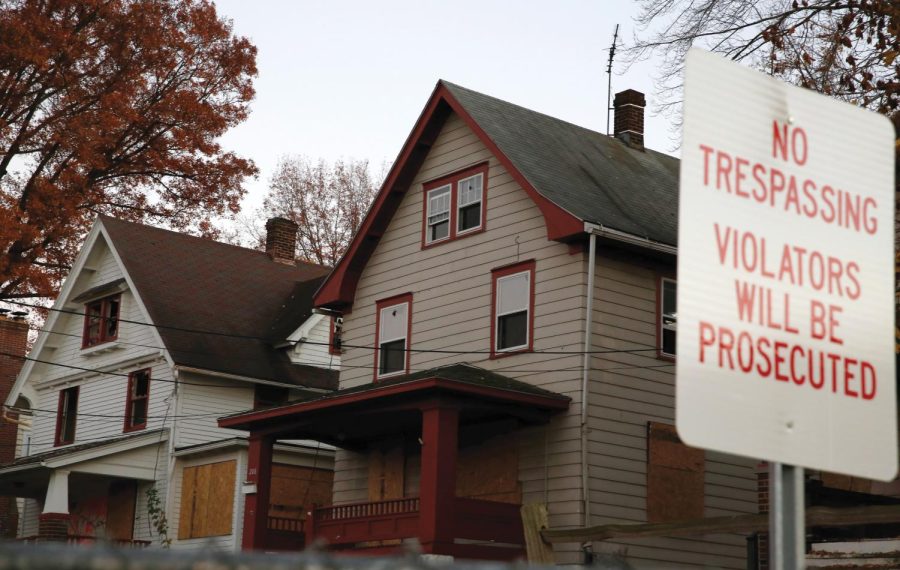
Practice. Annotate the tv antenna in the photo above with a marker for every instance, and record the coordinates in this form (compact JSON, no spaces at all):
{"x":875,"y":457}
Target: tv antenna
{"x":609,"y":66}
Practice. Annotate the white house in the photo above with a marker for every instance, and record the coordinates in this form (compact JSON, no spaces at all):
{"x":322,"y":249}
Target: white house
{"x":154,"y":335}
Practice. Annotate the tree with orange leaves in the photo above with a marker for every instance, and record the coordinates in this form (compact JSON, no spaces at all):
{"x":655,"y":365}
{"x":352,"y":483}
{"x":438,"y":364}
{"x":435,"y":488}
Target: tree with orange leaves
{"x":112,"y":106}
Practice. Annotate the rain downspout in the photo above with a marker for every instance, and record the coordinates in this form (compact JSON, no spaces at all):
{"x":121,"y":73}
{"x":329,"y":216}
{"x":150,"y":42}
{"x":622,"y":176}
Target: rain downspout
{"x":585,"y":373}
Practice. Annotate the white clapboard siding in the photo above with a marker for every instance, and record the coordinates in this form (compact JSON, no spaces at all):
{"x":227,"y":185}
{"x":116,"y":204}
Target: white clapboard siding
{"x":451,"y":287}
{"x":630,"y":389}
{"x":202,"y":401}
{"x":313,"y":351}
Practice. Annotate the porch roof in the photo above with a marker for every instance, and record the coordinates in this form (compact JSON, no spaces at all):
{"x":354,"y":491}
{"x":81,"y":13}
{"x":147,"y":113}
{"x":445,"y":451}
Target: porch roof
{"x":28,"y":476}
{"x":354,"y":416}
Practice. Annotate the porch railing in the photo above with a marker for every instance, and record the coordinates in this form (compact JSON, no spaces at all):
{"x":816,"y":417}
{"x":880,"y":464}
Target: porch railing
{"x":373,"y":509}
{"x":285,"y":524}
{"x":83,"y":539}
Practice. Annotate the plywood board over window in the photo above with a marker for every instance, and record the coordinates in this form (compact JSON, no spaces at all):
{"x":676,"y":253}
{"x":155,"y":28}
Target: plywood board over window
{"x":207,"y":500}
{"x":294,"y":487}
{"x":386,"y":473}
{"x":489,"y":472}
{"x":675,"y":476}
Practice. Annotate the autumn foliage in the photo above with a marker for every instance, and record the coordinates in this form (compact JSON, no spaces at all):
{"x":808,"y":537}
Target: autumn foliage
{"x":112,"y":106}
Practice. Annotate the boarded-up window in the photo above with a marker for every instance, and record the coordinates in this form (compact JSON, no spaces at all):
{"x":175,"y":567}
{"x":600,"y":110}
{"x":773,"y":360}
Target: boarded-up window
{"x":207,"y":500}
{"x":489,"y":472}
{"x":674,"y":476}
{"x":293,"y":487}
{"x":386,"y":470}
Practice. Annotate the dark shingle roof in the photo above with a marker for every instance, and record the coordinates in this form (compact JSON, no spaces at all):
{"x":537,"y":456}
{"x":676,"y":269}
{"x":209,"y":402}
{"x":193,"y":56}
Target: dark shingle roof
{"x":594,"y":177}
{"x":461,"y":372}
{"x":193,"y":284}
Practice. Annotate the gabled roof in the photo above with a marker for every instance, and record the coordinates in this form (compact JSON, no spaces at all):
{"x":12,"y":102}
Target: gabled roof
{"x":231,"y":294}
{"x":573,"y":174}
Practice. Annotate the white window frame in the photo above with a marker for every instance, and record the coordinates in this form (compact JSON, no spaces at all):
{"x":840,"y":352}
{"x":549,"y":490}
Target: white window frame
{"x":382,"y":341}
{"x":498,"y":314}
{"x":663,"y":326}
{"x":448,"y":188}
{"x":460,"y":206}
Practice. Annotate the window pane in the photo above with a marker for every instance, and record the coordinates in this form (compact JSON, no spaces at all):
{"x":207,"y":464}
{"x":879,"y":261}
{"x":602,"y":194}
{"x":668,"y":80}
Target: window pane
{"x":94,"y":318}
{"x":139,"y":412}
{"x":393,"y":322}
{"x":470,"y":217}
{"x":141,"y":384}
{"x":112,"y":318}
{"x":393,"y":357}
{"x":469,"y":190}
{"x":668,"y":341}
{"x":512,"y":330}
{"x":439,"y":231}
{"x":512,"y":293}
{"x":69,"y":415}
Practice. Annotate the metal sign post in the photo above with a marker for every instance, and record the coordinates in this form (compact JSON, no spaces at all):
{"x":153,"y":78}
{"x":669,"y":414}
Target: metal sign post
{"x":787,"y":526}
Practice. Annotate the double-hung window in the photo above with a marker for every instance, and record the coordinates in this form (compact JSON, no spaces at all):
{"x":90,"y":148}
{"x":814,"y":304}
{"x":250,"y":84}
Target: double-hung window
{"x":137,"y":402}
{"x":393,"y":320}
{"x":455,"y":205}
{"x":66,"y":416}
{"x":668,"y":317}
{"x":513,"y":308}
{"x":438,"y":214}
{"x":101,"y":321}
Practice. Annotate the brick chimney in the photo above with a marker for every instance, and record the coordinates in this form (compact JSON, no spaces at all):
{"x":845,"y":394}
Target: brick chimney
{"x":13,"y":343}
{"x":629,"y":117}
{"x":281,"y":240}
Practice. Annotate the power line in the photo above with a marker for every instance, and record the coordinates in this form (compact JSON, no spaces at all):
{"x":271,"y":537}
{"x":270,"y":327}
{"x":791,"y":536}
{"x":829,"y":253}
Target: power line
{"x":343,"y":345}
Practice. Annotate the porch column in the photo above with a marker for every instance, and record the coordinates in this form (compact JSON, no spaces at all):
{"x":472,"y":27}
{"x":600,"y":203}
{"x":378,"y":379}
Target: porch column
{"x":53,"y":522}
{"x":437,"y":487}
{"x":256,"y":492}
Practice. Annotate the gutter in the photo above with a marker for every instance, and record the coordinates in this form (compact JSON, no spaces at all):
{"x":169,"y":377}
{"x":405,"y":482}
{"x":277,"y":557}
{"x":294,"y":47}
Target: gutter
{"x":631,"y":239}
{"x":239,"y":378}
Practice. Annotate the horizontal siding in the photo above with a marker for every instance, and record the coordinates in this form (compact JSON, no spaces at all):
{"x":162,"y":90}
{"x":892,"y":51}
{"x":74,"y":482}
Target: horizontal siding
{"x":451,"y":288}
{"x":313,"y":351}
{"x":202,"y":401}
{"x":101,"y":406}
{"x":629,"y":388}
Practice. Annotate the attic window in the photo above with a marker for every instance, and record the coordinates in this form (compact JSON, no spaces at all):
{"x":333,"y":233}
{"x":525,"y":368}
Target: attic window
{"x":101,"y":321}
{"x":455,"y":205}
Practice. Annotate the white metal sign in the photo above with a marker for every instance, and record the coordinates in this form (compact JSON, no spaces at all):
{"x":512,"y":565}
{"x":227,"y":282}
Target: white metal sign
{"x":785,"y":302}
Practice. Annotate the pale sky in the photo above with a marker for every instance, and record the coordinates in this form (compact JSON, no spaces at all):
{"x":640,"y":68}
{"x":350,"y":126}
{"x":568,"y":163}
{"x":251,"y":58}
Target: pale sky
{"x":347,"y":79}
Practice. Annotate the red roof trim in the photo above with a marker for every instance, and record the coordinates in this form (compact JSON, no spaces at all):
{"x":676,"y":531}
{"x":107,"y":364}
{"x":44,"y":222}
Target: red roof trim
{"x":243,"y":420}
{"x":339,"y":288}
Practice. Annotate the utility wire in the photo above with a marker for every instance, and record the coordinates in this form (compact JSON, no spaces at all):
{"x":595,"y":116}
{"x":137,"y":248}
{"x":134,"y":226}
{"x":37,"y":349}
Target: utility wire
{"x":343,"y":345}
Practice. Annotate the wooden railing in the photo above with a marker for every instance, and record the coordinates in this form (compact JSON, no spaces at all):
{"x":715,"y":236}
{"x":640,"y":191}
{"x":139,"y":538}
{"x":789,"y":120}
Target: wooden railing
{"x":365,"y":510}
{"x":285,"y":524}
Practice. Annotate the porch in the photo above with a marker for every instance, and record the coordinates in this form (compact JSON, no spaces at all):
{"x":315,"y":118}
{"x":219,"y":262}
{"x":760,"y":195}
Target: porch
{"x":84,"y":493}
{"x":433,"y":415}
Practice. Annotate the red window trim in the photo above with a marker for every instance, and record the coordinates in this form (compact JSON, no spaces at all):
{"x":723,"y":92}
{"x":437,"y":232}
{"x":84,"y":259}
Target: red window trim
{"x":129,"y":399}
{"x":660,"y":355}
{"x":331,"y":348}
{"x":452,"y":180}
{"x":59,"y":416}
{"x":104,"y":316}
{"x":390,"y":302}
{"x":519,"y":267}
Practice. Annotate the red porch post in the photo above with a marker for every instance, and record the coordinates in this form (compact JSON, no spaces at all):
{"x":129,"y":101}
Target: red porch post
{"x":437,"y":488}
{"x":256,"y":504}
